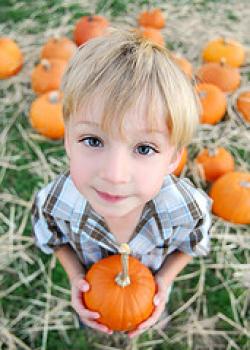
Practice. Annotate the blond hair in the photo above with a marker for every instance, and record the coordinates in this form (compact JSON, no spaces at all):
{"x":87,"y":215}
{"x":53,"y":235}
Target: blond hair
{"x":122,"y":65}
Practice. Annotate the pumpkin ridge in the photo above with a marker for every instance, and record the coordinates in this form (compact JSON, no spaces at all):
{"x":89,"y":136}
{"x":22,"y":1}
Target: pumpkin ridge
{"x":122,"y":306}
{"x":137,"y":302}
{"x":144,"y":285}
{"x":134,"y":302}
{"x":230,"y":201}
{"x":109,"y":308}
{"x":104,"y":268}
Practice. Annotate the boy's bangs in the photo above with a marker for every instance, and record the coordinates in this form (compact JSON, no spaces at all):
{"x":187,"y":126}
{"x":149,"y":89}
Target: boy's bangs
{"x":117,"y":70}
{"x":115,"y":110}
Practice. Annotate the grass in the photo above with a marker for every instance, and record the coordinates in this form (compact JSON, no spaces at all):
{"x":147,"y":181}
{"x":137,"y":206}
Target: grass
{"x":35,"y":310}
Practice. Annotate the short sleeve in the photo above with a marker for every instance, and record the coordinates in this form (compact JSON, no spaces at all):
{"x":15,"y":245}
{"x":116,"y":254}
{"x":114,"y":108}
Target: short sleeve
{"x":194,"y":239}
{"x":49,"y":232}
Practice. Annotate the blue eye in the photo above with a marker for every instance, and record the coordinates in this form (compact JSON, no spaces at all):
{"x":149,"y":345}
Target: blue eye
{"x":91,"y":141}
{"x":146,"y":150}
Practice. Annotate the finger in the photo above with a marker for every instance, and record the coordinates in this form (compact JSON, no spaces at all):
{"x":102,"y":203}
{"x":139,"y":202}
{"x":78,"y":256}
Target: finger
{"x":159,"y":298}
{"x":152,"y":319}
{"x":82,"y":311}
{"x":82,"y":285}
{"x":87,"y":314}
{"x":149,"y":322}
{"x":98,"y":326}
{"x":80,"y":282}
{"x":146,"y":324}
{"x":156,"y":300}
{"x":77,"y":297}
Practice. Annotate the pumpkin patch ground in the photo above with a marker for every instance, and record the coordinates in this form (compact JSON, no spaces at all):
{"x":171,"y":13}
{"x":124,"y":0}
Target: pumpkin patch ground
{"x":209,"y":303}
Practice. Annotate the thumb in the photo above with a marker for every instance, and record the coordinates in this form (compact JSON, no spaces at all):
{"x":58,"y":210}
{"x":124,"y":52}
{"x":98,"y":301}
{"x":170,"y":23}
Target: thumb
{"x":156,"y":300}
{"x":83,"y":286}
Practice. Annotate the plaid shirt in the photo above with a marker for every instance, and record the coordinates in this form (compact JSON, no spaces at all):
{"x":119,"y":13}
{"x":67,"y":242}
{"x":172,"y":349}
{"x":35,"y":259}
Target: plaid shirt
{"x":178,"y":218}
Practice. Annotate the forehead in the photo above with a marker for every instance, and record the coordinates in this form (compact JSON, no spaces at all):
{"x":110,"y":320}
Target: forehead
{"x":136,"y":118}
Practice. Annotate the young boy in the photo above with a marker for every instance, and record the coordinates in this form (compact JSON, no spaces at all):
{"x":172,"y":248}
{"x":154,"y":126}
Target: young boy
{"x":128,"y":111}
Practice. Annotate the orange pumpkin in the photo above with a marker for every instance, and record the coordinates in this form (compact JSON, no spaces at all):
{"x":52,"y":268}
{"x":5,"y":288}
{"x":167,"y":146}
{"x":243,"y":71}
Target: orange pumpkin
{"x":231,"y":197}
{"x":47,"y":75}
{"x":58,"y":47}
{"x":243,"y":105}
{"x":11,"y":58}
{"x":184,"y":64}
{"x":227,"y":78}
{"x":214,"y":163}
{"x":230,"y":50}
{"x":213,"y":101}
{"x":46,"y":115}
{"x":89,"y":27}
{"x":154,"y":19}
{"x":153,"y":35}
{"x":121,"y":291}
{"x":182,"y":163}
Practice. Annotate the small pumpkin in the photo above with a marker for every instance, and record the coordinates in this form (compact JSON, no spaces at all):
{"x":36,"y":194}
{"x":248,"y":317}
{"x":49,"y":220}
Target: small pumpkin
{"x":11,"y":58}
{"x":227,"y":78}
{"x":153,"y":35}
{"x":213,"y":101}
{"x":121,"y":291}
{"x":47,"y":75}
{"x":89,"y":27}
{"x":58,"y":47}
{"x":184,"y":64}
{"x":182,"y":163}
{"x":231,"y":197}
{"x":214,"y":163}
{"x":243,"y":105}
{"x":46,"y":115}
{"x":152,"y":18}
{"x":231,"y":50}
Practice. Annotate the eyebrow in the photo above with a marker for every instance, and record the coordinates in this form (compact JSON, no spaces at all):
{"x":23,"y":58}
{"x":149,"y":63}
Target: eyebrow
{"x":147,"y":131}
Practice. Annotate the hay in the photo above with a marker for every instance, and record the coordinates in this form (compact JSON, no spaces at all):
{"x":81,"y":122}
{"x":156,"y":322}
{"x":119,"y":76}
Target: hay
{"x":33,"y":304}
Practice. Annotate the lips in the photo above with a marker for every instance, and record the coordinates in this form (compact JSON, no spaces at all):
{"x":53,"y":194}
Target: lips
{"x":110,"y":198}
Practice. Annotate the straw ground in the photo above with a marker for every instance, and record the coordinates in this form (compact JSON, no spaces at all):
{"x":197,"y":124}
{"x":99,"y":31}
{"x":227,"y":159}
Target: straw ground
{"x":209,"y":305}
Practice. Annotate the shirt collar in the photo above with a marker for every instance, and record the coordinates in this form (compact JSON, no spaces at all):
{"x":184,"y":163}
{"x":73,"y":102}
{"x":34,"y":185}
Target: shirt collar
{"x":65,"y":202}
{"x":176,"y":203}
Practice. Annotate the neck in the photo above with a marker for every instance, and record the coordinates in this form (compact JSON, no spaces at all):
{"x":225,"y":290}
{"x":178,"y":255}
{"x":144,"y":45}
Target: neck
{"x":128,"y":221}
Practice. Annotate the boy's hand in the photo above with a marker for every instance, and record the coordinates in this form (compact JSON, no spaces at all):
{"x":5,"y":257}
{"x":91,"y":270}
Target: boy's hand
{"x":160,"y":300}
{"x":78,"y":286}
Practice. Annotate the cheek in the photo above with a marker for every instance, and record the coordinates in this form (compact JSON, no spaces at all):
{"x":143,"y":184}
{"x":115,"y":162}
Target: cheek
{"x":150,"y":180}
{"x":82,"y":170}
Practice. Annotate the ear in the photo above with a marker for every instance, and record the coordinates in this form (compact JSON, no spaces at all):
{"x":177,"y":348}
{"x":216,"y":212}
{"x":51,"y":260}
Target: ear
{"x":176,"y":158}
{"x":66,"y":142}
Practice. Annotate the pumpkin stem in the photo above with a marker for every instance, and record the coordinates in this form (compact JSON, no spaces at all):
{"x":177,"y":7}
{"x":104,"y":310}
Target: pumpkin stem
{"x":54,"y":97}
{"x":225,"y":40}
{"x":56,"y":37}
{"x":245,"y":184}
{"x":202,"y":94}
{"x":122,"y":279}
{"x":46,"y":64}
{"x":212,"y":152}
{"x":223,"y":61}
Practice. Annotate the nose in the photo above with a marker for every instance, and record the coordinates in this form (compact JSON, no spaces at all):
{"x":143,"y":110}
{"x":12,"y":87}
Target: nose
{"x":116,"y":167}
